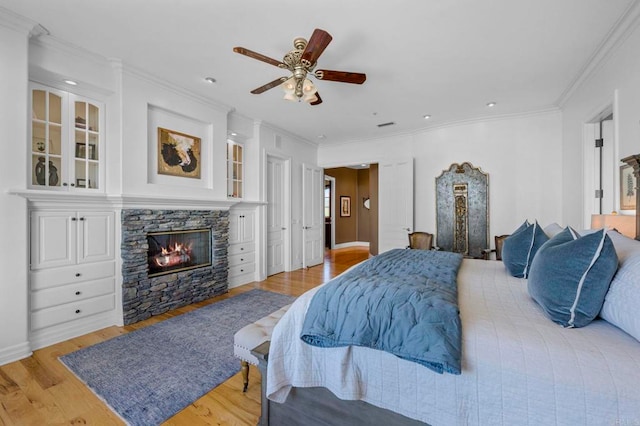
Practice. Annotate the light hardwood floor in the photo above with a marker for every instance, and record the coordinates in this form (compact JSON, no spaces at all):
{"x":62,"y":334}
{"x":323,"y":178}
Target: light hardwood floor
{"x":39,"y":390}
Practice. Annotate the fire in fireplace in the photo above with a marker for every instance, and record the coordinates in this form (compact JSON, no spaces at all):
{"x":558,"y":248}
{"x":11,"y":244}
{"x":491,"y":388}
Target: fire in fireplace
{"x":174,"y":251}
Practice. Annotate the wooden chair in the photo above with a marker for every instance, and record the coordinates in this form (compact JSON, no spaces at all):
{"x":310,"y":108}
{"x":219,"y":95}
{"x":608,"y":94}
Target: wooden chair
{"x":420,"y":241}
{"x":499,"y":241}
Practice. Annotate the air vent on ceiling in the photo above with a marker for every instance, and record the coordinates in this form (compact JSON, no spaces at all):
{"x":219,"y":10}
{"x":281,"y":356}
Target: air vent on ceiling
{"x":390,"y":123}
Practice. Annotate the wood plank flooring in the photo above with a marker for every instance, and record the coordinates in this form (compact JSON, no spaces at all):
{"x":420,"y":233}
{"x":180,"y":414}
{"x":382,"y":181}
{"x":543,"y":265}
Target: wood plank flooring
{"x":39,"y":390}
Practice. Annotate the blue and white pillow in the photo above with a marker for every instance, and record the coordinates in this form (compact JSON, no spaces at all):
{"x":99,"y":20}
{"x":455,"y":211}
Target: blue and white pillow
{"x":520,"y":247}
{"x":570,"y":276}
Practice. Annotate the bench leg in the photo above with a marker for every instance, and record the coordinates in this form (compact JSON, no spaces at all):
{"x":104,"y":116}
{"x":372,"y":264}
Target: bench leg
{"x":244,"y":367}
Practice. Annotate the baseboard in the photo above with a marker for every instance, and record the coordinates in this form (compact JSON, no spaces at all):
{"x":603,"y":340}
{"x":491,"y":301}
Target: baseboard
{"x":352,"y":244}
{"x":56,"y":334}
{"x":15,"y":353}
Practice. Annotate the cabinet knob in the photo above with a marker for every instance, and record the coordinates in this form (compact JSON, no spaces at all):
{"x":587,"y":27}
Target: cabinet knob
{"x":82,"y":218}
{"x":65,"y":184}
{"x":77,"y":311}
{"x":241,"y":259}
{"x":241,"y":248}
{"x":73,"y":184}
{"x":78,"y":274}
{"x":241,"y":270}
{"x":77,"y":293}
{"x":73,"y":219}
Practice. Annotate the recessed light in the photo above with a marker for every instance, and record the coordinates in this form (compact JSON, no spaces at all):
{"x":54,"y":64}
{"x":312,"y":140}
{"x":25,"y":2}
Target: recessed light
{"x":491,"y":104}
{"x":233,"y":134}
{"x":363,"y":165}
{"x":210,"y":80}
{"x":71,"y":82}
{"x":322,"y":137}
{"x":426,"y":117}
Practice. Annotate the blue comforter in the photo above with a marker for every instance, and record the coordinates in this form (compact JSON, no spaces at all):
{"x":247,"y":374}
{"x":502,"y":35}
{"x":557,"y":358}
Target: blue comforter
{"x":402,"y":301}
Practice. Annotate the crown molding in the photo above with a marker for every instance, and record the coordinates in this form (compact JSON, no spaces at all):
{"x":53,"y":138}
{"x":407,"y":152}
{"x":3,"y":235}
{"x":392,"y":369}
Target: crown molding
{"x":621,"y":30}
{"x":19,"y":23}
{"x":157,"y":81}
{"x":284,"y":132}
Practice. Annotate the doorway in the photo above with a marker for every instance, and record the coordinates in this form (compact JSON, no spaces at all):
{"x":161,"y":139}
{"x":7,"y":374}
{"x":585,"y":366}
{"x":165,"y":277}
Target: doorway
{"x":329,"y":211}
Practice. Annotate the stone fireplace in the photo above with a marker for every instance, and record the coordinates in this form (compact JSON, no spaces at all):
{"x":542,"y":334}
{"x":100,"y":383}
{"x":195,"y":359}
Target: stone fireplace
{"x":171,"y":258}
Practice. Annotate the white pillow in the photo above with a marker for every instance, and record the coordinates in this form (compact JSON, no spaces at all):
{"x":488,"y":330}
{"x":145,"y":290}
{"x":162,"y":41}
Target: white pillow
{"x":622,"y":302}
{"x":552,"y":229}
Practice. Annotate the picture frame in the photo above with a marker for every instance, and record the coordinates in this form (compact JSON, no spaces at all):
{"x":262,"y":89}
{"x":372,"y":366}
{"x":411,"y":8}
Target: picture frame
{"x":628,"y":188}
{"x":179,"y":154}
{"x":82,"y":183}
{"x":81,"y":150}
{"x":345,"y":206}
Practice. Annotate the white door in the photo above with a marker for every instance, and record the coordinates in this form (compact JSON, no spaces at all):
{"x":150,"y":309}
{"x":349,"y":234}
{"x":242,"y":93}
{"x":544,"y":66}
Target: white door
{"x":395,"y":204}
{"x":312,"y":215}
{"x":276,"y":228}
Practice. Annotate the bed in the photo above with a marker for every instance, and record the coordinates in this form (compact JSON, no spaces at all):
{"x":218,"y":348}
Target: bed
{"x":518,"y":367}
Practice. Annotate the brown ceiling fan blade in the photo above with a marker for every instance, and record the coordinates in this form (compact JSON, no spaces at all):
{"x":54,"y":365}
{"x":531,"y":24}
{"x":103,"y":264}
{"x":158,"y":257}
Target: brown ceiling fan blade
{"x":317,"y":101}
{"x":258,"y":56}
{"x":342,"y":76}
{"x":319,"y":41}
{"x":270,"y":85}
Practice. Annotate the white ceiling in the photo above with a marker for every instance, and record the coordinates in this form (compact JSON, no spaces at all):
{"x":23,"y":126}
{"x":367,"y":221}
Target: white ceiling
{"x":446,"y":58}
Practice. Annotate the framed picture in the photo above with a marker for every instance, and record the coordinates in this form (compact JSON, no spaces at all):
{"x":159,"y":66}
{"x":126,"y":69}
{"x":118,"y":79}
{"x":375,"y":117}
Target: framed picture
{"x":178,"y":154}
{"x":345,"y":206}
{"x":81,"y":150}
{"x":628,"y":188}
{"x":82,"y":183}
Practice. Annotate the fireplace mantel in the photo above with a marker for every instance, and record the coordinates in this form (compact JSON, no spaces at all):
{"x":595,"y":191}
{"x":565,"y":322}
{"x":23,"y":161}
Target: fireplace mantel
{"x":60,"y":198}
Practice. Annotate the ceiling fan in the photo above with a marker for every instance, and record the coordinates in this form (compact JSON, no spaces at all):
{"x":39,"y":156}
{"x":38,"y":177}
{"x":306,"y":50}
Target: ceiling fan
{"x":301,"y":61}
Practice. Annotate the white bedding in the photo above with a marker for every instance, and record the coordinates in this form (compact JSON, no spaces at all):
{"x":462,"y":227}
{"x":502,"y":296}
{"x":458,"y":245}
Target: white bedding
{"x":518,"y":367}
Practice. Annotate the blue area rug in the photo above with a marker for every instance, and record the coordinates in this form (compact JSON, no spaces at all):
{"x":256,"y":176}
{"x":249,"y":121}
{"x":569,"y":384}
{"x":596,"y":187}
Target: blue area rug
{"x":149,"y":375}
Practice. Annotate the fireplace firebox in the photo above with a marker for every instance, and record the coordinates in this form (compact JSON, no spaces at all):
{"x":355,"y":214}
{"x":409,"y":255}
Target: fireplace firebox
{"x":174,"y":251}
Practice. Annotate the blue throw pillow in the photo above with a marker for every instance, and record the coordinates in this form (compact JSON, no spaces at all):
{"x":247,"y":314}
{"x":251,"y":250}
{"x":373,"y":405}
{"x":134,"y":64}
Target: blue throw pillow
{"x":570,"y":276}
{"x":520,"y":247}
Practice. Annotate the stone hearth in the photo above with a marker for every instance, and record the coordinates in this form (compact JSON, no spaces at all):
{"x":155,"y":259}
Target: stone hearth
{"x":142,"y":296}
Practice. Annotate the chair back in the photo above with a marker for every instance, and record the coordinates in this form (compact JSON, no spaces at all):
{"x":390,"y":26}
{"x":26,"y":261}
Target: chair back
{"x":421,"y":240}
{"x":499,"y":239}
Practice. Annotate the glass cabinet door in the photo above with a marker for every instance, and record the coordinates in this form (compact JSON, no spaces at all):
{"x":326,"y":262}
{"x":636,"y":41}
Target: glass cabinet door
{"x":66,"y":139}
{"x":87,"y":145}
{"x":234,"y":170}
{"x":47,"y":138}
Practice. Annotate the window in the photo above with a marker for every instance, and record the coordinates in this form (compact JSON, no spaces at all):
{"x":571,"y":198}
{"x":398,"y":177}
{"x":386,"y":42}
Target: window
{"x":327,"y":201}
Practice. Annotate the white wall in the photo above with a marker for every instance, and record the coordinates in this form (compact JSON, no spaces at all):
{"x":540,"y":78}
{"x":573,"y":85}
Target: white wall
{"x":13,"y":209}
{"x":620,"y":72}
{"x":522,"y":155}
{"x":147,"y":104}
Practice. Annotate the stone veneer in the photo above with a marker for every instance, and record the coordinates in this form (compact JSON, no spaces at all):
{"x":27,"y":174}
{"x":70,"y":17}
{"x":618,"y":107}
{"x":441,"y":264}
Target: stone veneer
{"x":143,"y":297}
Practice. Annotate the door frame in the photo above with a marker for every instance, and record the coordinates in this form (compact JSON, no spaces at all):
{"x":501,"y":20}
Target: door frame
{"x":286,"y":207}
{"x":332,"y":184}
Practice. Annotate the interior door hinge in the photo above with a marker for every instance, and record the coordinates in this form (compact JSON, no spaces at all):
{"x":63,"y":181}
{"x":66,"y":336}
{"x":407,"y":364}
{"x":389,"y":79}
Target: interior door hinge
{"x":599,"y":143}
{"x":599,"y":193}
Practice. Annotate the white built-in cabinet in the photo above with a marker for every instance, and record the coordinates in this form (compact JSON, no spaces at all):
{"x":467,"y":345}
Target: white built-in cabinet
{"x":242,"y":246}
{"x":72,"y":273}
{"x":66,"y":135}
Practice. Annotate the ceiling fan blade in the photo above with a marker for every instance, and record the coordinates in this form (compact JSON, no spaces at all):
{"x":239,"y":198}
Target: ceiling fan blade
{"x":258,"y":56}
{"x":270,"y":85}
{"x":318,"y":101}
{"x":341,"y":76}
{"x":319,"y":41}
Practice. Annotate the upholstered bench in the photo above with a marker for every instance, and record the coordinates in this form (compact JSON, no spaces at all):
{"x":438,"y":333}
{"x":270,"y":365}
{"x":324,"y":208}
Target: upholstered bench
{"x":252,"y":335}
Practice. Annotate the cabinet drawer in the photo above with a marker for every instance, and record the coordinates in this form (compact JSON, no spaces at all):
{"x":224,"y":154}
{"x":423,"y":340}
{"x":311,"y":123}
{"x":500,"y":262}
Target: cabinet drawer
{"x":241,"y":269}
{"x":47,"y":278}
{"x":71,"y":293}
{"x":241,"y":248}
{"x":71,"y":311}
{"x":241,"y":259}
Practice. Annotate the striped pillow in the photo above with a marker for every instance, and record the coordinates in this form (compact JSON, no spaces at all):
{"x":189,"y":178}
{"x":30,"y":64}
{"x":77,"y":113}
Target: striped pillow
{"x":570,"y":276}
